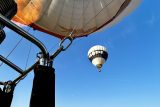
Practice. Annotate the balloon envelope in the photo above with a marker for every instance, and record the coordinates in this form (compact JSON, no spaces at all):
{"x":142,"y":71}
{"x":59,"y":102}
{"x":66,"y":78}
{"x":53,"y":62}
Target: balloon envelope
{"x":79,"y":17}
{"x":98,"y":55}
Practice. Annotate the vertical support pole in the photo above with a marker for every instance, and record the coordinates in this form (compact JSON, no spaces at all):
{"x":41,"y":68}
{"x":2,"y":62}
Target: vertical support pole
{"x":43,"y":90}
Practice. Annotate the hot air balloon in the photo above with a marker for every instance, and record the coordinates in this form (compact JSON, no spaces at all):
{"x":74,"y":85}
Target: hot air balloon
{"x":98,"y":55}
{"x":78,"y":18}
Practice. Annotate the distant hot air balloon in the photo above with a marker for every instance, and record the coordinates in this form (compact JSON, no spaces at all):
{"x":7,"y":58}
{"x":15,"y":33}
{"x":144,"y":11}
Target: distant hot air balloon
{"x":98,"y":55}
{"x":61,"y":18}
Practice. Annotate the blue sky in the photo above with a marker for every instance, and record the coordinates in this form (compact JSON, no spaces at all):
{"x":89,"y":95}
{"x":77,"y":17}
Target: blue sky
{"x":129,"y":78}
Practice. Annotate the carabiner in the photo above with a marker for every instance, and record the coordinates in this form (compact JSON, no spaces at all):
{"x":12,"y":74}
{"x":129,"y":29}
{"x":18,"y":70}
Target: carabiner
{"x":66,"y":38}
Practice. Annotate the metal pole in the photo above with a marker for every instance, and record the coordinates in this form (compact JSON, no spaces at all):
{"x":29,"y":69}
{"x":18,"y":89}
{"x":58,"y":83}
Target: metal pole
{"x":11,"y":64}
{"x":25,"y":73}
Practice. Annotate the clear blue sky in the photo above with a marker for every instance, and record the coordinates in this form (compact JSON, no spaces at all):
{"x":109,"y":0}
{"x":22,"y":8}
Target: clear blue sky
{"x":129,"y":78}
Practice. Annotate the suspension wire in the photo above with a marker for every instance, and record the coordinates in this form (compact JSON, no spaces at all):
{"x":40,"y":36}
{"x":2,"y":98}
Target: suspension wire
{"x":30,"y":47}
{"x":14,"y":47}
{"x":27,"y":60}
{"x":29,"y":53}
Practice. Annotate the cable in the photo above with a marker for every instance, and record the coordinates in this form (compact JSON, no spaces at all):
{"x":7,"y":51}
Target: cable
{"x":30,"y":47}
{"x":14,"y":48}
{"x":27,"y":60}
